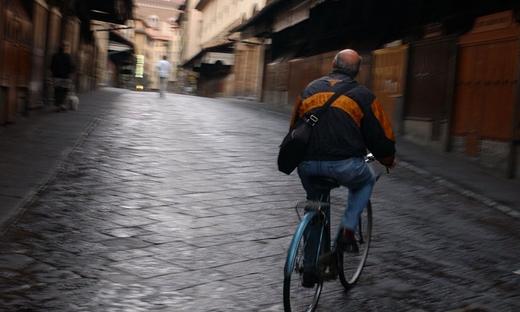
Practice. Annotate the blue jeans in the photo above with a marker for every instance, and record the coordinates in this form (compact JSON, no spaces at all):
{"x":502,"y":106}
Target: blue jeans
{"x":353,"y":173}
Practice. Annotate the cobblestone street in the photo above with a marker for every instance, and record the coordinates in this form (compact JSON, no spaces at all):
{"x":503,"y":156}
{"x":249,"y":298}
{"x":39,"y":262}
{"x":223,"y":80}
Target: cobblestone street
{"x":176,"y":204}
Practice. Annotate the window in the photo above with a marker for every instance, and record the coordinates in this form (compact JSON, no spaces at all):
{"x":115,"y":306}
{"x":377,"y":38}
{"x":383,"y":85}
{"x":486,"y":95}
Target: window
{"x":153,"y":20}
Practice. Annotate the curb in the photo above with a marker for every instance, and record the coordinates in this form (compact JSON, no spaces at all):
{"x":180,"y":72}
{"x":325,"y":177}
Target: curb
{"x":462,"y":191}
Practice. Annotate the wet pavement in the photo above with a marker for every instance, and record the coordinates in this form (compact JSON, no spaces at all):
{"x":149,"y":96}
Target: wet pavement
{"x":147,"y":204}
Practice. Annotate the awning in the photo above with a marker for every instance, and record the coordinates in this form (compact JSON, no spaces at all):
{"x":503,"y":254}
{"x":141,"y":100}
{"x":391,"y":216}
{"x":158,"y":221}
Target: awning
{"x":115,"y":47}
{"x":110,"y":11}
{"x":222,"y":38}
{"x":118,"y":43}
{"x":227,"y":59}
{"x":279,"y":14}
{"x":260,"y":16}
{"x":201,"y":5}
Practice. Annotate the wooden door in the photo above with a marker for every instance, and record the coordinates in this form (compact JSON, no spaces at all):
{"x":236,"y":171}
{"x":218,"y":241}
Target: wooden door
{"x":17,"y":58}
{"x":364,"y":76}
{"x":302,"y":72}
{"x":3,"y":21}
{"x":430,"y":82}
{"x":11,"y":60}
{"x":3,"y":82}
{"x":485,"y":90}
{"x":326,"y":62}
{"x":38,"y":66}
{"x":388,"y":78}
{"x":499,"y":89}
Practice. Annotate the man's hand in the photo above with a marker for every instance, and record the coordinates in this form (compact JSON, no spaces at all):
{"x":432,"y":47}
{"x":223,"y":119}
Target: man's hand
{"x":392,"y":166}
{"x":385,"y":161}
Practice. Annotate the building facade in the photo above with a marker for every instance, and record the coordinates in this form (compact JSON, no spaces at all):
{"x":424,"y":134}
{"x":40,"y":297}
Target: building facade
{"x":446,"y":73}
{"x":156,"y":33}
{"x":30,"y":32}
{"x":222,"y":64}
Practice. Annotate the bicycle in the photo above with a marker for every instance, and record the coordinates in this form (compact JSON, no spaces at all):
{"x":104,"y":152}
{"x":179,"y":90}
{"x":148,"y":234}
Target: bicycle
{"x":331,"y":263}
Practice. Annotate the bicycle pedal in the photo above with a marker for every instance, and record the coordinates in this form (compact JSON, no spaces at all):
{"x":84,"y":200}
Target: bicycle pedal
{"x":328,"y":266}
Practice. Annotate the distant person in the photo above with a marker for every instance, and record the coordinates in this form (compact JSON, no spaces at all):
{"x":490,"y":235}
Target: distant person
{"x":62,"y":66}
{"x":163,"y":69}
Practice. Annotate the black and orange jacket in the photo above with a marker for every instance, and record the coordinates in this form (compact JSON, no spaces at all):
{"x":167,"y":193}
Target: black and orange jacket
{"x":354,"y":123}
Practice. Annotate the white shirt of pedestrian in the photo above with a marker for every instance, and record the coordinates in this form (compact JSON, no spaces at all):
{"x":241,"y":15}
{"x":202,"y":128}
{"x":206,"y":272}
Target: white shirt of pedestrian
{"x":163,"y":66}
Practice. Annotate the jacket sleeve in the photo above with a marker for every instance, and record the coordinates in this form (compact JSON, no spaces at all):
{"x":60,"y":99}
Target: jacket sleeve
{"x":378,"y":134}
{"x":295,"y":116}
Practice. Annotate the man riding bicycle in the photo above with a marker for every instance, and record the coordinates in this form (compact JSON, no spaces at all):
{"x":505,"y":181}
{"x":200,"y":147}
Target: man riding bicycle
{"x":354,"y":123}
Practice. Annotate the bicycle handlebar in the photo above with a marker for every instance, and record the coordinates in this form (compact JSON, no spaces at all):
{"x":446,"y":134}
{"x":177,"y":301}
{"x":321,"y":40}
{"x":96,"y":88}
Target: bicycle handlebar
{"x":371,"y":158}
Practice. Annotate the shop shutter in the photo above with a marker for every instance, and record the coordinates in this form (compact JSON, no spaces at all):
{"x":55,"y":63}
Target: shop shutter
{"x":388,"y":79}
{"x":429,"y":82}
{"x":485,"y":88}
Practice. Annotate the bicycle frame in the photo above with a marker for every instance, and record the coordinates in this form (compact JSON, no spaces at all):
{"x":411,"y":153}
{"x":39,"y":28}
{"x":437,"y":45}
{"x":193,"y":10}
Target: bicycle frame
{"x":324,"y":237}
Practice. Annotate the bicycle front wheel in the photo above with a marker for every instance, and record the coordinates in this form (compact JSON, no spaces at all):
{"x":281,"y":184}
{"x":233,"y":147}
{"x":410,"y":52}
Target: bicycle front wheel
{"x":351,"y":264}
{"x":296,"y":297}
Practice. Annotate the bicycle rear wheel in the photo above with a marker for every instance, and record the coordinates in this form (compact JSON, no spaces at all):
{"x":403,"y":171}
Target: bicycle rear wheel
{"x":351,"y":264}
{"x":295,"y":296}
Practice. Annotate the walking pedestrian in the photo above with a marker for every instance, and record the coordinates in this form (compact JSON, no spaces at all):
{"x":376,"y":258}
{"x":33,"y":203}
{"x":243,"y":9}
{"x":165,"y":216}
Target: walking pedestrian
{"x":354,"y":123}
{"x":62,"y":67}
{"x":163,"y":70}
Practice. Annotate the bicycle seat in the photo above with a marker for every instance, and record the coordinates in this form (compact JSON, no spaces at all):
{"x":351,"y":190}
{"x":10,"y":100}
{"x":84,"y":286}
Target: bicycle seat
{"x":323,"y":183}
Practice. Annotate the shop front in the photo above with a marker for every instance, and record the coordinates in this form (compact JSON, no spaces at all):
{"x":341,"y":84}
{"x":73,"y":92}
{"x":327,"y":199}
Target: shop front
{"x":486,"y":114}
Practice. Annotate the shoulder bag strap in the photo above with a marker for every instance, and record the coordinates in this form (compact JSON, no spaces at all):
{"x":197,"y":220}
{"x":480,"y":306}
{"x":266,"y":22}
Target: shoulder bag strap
{"x":344,"y":89}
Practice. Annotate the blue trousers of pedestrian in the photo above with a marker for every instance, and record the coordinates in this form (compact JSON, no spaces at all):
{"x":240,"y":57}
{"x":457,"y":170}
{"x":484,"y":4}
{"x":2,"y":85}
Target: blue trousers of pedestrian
{"x":352,"y":173}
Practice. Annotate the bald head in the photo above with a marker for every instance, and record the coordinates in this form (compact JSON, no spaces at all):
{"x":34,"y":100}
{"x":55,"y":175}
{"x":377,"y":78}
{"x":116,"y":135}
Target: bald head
{"x":349,"y":57}
{"x":348,"y":62}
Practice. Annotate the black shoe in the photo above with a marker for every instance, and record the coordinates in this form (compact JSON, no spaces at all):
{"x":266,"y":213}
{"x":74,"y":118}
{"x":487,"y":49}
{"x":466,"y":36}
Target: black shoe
{"x":309,"y":280}
{"x":347,"y":241}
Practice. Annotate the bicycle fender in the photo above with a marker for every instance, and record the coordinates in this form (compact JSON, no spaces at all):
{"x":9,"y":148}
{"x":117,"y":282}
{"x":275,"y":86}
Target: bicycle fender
{"x":289,"y":261}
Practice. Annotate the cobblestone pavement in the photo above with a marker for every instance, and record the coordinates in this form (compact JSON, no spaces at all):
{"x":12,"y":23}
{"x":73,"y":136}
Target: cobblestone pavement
{"x":176,"y":205}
